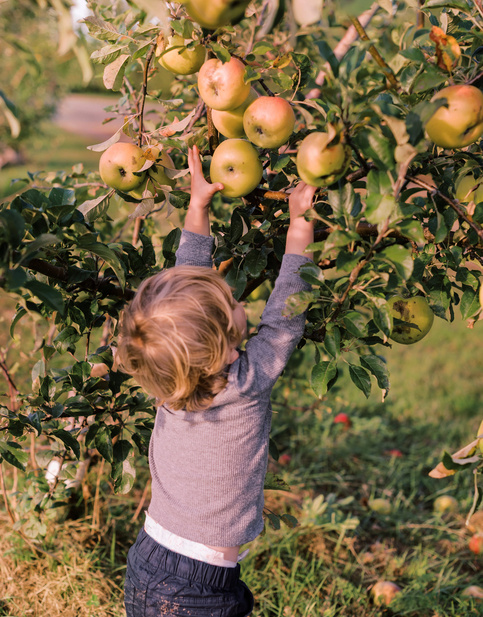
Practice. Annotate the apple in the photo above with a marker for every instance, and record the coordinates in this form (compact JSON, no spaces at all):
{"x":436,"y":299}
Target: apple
{"x":320,"y":161}
{"x":236,"y":165}
{"x":476,"y":543}
{"x":445,"y":503}
{"x":156,"y":175}
{"x":460,"y":123}
{"x":414,"y":311}
{"x":343,"y":418}
{"x":473,"y":591}
{"x":465,"y":190}
{"x":380,"y":505}
{"x":118,"y":166}
{"x":230,"y":122}
{"x":212,"y":14}
{"x":284,"y":459}
{"x":180,"y":59}
{"x":384,"y":592}
{"x":222,"y":84}
{"x":269,"y":121}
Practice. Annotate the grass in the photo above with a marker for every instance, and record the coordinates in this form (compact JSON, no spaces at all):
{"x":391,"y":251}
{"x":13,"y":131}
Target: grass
{"x":327,"y":565}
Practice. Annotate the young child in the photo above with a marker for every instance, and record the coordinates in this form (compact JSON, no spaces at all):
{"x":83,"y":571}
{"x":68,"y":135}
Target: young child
{"x":180,"y":339}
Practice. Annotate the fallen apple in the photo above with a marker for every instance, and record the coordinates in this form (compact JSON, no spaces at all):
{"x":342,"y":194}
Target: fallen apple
{"x":343,"y":418}
{"x":445,"y":503}
{"x":230,"y":122}
{"x":460,"y":123}
{"x":473,"y":591}
{"x":476,"y":543}
{"x":212,"y":14}
{"x":236,"y":165}
{"x":321,"y":161}
{"x":222,"y":84}
{"x":384,"y":592}
{"x":180,"y":59}
{"x":119,"y":166}
{"x":380,"y":505}
{"x":269,"y":121}
{"x":415,"y":312}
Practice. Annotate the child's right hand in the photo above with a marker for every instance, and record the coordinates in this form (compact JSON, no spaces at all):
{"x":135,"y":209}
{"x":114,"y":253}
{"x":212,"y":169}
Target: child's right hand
{"x":300,"y":200}
{"x":202,"y":191}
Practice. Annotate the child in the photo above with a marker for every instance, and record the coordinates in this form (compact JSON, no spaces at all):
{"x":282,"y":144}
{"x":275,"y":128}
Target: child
{"x":208,"y":453}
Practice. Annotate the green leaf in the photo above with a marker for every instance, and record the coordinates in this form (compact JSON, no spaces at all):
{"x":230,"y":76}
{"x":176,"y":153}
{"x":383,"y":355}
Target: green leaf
{"x":323,"y":377}
{"x":470,"y":302}
{"x":355,"y":323}
{"x":114,"y":72}
{"x":273,"y":482}
{"x":220,"y":52}
{"x":460,"y":5}
{"x":379,"y":208}
{"x":360,"y":377}
{"x":66,"y":339}
{"x":108,"y":54}
{"x":121,"y":450}
{"x":100,"y":29}
{"x":14,"y":454}
{"x":378,"y":368}
{"x":342,"y":200}
{"x":297,"y":303}
{"x":400,"y":258}
{"x":123,"y":472}
{"x":12,"y":227}
{"x":93,"y":209}
{"x":289,"y":520}
{"x":68,"y":440}
{"x":103,"y":442}
{"x":332,"y":341}
{"x":88,"y":243}
{"x":255,"y":262}
{"x":47,"y":294}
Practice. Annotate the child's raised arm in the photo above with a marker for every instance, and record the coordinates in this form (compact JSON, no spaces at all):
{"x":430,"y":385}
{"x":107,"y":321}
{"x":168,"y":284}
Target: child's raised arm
{"x":300,"y":232}
{"x":197,"y":217}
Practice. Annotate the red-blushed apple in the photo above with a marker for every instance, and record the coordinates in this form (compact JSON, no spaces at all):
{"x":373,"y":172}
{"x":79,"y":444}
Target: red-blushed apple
{"x":460,"y":123}
{"x":212,"y":14}
{"x":269,"y":121}
{"x":468,"y":189}
{"x":394,"y":453}
{"x":473,"y":591}
{"x":321,"y":160}
{"x":236,"y":165}
{"x":230,"y":122}
{"x":284,"y":459}
{"x":476,"y":543}
{"x":222,"y":84}
{"x":380,"y":505}
{"x":180,"y":59}
{"x":343,"y":418}
{"x":118,"y":166}
{"x":384,"y":592}
{"x":445,"y":503}
{"x":416,"y":312}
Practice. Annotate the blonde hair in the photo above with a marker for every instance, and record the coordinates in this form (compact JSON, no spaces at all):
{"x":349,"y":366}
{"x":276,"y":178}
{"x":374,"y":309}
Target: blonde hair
{"x":177,"y":334}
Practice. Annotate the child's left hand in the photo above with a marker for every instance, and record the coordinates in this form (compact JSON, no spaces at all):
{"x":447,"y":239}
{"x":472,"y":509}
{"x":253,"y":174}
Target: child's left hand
{"x":202,"y":191}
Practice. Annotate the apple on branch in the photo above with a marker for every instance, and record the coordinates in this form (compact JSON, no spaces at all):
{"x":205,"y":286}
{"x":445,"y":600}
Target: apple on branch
{"x":416,"y":313}
{"x":469,"y":189}
{"x":180,"y":59}
{"x":236,"y":165}
{"x":222,"y":84}
{"x":460,"y":122}
{"x":269,"y":121}
{"x":230,"y":122}
{"x":323,"y":158}
{"x":120,"y":165}
{"x":212,"y":14}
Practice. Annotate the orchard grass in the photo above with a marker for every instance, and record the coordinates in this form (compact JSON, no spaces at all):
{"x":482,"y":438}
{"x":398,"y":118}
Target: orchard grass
{"x":328,"y":563}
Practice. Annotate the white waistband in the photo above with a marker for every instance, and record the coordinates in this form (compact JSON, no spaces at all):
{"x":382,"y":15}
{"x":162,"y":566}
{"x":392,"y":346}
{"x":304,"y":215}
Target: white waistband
{"x":191,"y":549}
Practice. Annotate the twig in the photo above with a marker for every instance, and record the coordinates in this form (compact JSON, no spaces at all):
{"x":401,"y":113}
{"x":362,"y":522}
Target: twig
{"x":144,"y":91}
{"x":144,"y":496}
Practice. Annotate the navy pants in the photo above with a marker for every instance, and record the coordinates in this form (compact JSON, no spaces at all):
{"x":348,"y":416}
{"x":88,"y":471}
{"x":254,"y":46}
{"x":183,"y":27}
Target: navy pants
{"x":162,"y":583}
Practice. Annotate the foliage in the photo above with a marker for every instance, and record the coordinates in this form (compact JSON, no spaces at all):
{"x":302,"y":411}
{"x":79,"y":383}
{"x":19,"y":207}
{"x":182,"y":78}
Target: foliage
{"x":391,"y":225}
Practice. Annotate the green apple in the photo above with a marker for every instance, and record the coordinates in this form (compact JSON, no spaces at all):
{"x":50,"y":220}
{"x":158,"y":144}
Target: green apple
{"x":465,"y":190}
{"x":222,"y":84}
{"x":380,"y":505}
{"x":320,"y":161}
{"x":212,"y":14}
{"x":269,"y":121}
{"x":236,"y":165}
{"x":384,"y":592}
{"x":230,"y":123}
{"x":416,"y":312}
{"x":445,"y":503}
{"x":460,"y":123}
{"x":119,"y":166}
{"x":182,"y":60}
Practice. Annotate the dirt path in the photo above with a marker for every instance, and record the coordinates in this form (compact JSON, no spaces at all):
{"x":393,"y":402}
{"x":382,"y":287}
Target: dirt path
{"x":84,"y":115}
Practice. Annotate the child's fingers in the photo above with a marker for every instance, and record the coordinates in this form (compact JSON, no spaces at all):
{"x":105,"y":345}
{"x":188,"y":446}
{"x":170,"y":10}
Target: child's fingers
{"x":194,"y":162}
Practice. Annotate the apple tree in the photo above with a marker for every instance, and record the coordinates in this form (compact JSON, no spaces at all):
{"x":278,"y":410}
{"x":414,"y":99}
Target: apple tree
{"x":347,"y":97}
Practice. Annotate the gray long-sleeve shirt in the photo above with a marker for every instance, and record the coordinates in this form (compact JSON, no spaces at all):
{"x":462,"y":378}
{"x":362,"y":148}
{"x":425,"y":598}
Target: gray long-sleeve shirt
{"x":208,"y":467}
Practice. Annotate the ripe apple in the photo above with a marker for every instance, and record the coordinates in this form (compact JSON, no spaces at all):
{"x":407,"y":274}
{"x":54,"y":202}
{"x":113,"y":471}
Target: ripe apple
{"x":320,"y":161}
{"x":460,"y":123}
{"x":269,"y":121}
{"x":445,"y":503}
{"x":384,"y":592}
{"x":414,"y":311}
{"x":222,"y":84}
{"x":212,"y":14}
{"x":230,"y":122}
{"x":380,"y":505}
{"x":118,"y":166}
{"x":284,"y":459}
{"x":465,"y":190}
{"x":236,"y":165}
{"x":476,"y":543}
{"x":182,"y":60}
{"x":473,"y":591}
{"x":343,"y":418}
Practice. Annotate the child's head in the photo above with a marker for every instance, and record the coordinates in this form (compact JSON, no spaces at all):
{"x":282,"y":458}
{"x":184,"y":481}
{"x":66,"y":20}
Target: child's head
{"x":178,"y":335}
